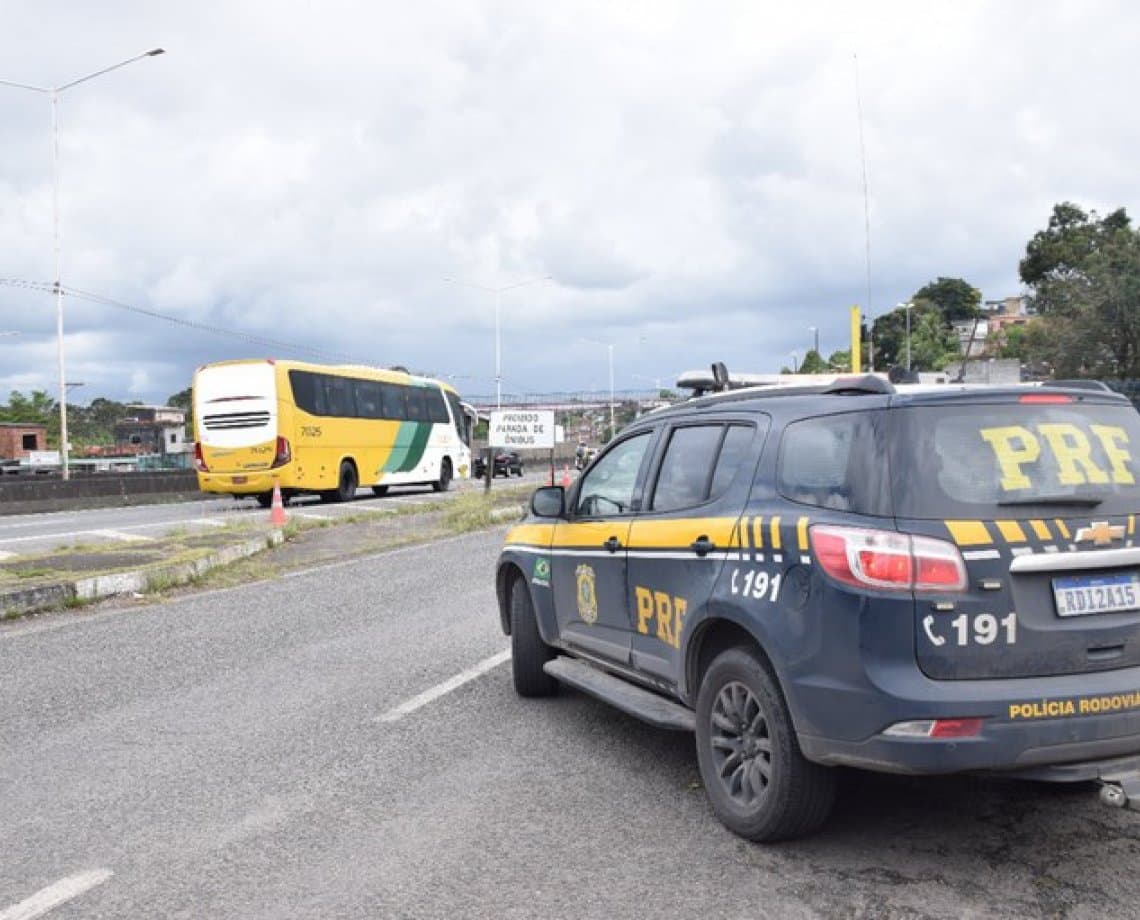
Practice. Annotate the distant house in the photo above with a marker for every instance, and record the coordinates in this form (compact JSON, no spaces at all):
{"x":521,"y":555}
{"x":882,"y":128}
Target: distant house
{"x":152,"y":430}
{"x":19,"y":440}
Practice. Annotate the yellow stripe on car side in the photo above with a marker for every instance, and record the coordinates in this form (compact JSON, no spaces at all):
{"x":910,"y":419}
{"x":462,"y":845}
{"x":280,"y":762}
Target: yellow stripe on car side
{"x":536,"y":534}
{"x":801,"y":533}
{"x":680,"y":532}
{"x":1062,"y":529}
{"x":774,"y":530}
{"x":1041,"y":529}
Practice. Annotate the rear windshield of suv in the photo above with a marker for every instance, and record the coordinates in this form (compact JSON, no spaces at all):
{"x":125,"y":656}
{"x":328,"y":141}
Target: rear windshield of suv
{"x":1014,"y":460}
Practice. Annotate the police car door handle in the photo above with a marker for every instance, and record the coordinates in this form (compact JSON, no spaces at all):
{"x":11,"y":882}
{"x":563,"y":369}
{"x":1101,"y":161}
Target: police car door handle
{"x":702,"y":546}
{"x":613,"y":544}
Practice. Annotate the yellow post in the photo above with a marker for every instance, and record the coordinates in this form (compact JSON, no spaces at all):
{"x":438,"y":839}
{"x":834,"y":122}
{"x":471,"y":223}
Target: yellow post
{"x":856,"y":353}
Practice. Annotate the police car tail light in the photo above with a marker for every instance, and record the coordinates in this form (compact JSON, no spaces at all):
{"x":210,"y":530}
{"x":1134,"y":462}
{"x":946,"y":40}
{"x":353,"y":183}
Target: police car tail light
{"x":283,"y":454}
{"x":887,"y":560}
{"x":936,"y":728}
{"x":199,"y":460}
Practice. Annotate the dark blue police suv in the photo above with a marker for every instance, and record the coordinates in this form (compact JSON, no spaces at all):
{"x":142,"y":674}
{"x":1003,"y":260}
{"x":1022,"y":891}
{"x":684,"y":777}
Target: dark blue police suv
{"x":905,"y":579}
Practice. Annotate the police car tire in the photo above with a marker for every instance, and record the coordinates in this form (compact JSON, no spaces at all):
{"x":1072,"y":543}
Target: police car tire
{"x":799,"y":795}
{"x":528,"y":652}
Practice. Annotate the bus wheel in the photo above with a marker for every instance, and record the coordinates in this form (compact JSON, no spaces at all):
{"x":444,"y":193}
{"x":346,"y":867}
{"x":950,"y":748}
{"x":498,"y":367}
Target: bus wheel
{"x":346,"y":485}
{"x":444,"y":482}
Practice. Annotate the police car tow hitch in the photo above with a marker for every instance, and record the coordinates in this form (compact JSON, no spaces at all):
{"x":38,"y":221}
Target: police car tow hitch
{"x":1121,"y":791}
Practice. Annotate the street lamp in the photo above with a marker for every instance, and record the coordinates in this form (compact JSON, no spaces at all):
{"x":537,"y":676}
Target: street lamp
{"x":907,"y":307}
{"x":498,"y":292}
{"x":53,"y":94}
{"x":609,"y":346}
{"x":815,"y":330}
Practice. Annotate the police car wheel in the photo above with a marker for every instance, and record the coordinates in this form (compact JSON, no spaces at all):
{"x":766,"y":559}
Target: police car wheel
{"x":528,"y":652}
{"x":758,"y":782}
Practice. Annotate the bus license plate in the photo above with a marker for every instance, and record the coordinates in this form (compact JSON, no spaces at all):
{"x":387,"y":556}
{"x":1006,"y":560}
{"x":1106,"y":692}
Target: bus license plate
{"x":1078,"y":595}
{"x":240,"y":480}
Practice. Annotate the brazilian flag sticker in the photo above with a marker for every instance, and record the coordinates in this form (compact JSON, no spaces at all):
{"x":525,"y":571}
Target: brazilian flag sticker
{"x":541,"y":574}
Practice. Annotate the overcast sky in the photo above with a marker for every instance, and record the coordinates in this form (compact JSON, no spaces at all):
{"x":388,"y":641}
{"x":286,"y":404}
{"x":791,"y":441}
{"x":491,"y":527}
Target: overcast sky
{"x":299,"y":179}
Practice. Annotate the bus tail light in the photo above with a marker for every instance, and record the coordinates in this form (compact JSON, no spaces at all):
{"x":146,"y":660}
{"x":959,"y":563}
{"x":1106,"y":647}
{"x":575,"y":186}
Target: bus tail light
{"x":887,"y":560}
{"x":284,"y":453}
{"x":199,"y":460}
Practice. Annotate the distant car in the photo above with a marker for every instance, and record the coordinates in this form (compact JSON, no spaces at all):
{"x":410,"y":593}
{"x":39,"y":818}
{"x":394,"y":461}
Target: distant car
{"x":507,"y":463}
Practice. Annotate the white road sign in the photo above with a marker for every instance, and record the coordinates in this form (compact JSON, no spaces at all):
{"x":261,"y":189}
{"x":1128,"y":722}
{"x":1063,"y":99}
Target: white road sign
{"x":522,"y":428}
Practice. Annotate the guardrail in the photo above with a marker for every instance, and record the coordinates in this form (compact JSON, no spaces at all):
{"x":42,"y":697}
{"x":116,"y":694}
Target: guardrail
{"x":24,"y":494}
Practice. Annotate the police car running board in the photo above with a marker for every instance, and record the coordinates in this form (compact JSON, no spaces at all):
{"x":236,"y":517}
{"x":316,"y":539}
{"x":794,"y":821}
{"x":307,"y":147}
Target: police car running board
{"x":639,"y":703}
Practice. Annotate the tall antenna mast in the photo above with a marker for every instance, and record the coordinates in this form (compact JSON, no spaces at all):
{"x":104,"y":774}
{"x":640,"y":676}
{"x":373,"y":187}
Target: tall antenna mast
{"x":866,"y":223}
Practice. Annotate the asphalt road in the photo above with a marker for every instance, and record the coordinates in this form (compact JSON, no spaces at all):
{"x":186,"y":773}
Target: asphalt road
{"x":268,"y":751}
{"x":28,"y":534}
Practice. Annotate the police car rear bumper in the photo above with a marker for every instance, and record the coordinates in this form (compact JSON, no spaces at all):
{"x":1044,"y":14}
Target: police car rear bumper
{"x":1026,"y":724}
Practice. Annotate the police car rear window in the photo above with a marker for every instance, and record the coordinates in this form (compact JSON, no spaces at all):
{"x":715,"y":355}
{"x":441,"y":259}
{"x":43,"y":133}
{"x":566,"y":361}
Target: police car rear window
{"x":1017,"y":460}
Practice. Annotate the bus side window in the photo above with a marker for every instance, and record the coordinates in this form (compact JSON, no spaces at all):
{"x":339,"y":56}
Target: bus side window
{"x":392,"y":396}
{"x":417,"y":411}
{"x":436,"y":408}
{"x":368,"y":399}
{"x":338,"y":393}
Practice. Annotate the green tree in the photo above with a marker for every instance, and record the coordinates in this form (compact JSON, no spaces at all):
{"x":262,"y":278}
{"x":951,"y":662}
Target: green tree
{"x":955,"y":298}
{"x":1085,"y":275}
{"x":813,"y":363}
{"x":839,"y":360}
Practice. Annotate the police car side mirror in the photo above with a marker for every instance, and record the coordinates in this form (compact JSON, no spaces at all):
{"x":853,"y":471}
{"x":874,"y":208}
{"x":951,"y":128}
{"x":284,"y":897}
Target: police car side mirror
{"x":548,"y":501}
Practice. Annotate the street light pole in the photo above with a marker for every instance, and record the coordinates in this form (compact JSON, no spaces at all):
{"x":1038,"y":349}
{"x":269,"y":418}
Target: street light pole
{"x":815,"y":330}
{"x":53,"y":94}
{"x":907,"y":307}
{"x":498,"y":292}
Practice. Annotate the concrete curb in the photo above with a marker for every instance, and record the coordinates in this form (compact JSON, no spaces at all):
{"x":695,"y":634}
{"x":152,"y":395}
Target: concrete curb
{"x":96,"y":587}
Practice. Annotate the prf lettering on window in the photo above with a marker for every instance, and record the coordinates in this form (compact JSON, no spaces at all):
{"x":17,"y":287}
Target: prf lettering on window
{"x":1016,"y":447}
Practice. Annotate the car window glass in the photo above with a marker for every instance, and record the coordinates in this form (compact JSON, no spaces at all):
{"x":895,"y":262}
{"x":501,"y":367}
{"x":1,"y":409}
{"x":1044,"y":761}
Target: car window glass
{"x":608,"y":487}
{"x":836,"y":461}
{"x":733,"y":450}
{"x":687,"y":467}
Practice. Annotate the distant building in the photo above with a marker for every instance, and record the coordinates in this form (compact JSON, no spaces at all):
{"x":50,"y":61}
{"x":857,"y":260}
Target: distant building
{"x":152,"y":430}
{"x":1011,"y":311}
{"x":19,"y":440}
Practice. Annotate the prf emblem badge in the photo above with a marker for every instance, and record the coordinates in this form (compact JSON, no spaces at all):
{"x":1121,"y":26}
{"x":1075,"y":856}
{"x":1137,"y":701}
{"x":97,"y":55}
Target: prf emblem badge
{"x":587,"y":598}
{"x":541,"y":574}
{"x":1100,"y":533}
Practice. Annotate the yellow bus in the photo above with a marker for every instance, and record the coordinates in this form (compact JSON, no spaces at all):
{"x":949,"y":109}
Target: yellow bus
{"x":312,"y":428}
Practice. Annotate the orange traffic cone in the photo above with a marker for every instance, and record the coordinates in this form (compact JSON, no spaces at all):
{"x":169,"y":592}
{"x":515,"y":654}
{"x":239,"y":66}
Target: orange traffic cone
{"x":277,"y":510}
{"x":565,"y":475}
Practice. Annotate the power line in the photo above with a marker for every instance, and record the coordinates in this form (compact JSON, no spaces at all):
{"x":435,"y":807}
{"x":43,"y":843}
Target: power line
{"x":247,"y":337}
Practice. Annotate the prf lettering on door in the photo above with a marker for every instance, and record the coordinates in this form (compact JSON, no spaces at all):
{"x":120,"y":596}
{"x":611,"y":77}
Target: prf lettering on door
{"x":666,"y":610}
{"x":1016,"y":446}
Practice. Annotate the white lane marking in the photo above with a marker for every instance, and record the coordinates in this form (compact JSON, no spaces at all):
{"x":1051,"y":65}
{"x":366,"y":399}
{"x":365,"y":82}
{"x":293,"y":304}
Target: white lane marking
{"x":309,"y":516}
{"x":4,"y":555}
{"x":118,"y":535}
{"x":54,"y":895}
{"x":207,"y":522}
{"x":434,"y":693}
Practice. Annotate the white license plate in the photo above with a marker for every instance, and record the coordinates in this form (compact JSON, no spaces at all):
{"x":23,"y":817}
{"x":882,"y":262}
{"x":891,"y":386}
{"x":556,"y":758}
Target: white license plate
{"x":1079,"y":595}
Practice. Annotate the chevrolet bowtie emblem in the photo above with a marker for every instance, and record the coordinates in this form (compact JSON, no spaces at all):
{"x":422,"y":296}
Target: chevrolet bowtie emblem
{"x":1101,"y":533}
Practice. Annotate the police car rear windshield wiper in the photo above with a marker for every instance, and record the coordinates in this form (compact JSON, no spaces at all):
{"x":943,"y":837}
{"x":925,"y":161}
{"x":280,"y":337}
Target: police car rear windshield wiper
{"x":1076,"y":501}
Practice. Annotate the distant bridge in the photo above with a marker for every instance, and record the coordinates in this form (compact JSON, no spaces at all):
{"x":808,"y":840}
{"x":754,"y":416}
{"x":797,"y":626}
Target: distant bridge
{"x":562,"y":402}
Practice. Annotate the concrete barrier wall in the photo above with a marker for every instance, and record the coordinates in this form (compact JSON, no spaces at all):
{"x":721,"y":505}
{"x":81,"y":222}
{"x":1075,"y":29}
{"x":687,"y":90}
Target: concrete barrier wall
{"x":25,"y":494}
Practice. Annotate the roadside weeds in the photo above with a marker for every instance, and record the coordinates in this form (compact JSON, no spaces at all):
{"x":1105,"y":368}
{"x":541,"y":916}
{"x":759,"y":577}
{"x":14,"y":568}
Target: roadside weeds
{"x":185,"y":561}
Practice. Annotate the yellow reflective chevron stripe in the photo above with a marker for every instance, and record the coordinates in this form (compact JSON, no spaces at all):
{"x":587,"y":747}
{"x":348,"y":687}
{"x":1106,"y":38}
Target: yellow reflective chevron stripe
{"x":802,"y":534}
{"x":1010,"y":531}
{"x":969,"y":533}
{"x":774,"y":530}
{"x":1062,"y":529}
{"x":1041,"y":529}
